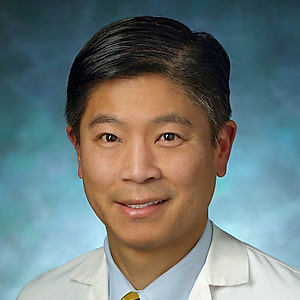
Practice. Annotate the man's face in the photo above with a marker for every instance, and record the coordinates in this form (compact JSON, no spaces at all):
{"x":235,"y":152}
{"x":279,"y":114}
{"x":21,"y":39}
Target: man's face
{"x":147,"y":162}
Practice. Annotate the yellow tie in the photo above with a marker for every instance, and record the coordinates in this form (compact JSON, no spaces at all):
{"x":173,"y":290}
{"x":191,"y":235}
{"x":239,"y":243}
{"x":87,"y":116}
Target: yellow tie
{"x":131,"y":296}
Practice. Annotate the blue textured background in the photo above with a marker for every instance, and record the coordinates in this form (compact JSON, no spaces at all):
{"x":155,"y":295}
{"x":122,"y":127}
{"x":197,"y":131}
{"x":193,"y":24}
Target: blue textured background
{"x":45,"y":219}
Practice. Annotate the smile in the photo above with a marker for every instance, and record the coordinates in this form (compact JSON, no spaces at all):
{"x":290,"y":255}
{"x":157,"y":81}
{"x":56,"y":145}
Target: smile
{"x":139,"y":206}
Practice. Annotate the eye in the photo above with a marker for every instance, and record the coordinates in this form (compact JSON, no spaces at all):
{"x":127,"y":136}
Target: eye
{"x":168,"y":136}
{"x":170,"y":139}
{"x":109,"y":138}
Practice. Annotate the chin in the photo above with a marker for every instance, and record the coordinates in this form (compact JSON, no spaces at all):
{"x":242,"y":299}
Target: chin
{"x":140,"y":239}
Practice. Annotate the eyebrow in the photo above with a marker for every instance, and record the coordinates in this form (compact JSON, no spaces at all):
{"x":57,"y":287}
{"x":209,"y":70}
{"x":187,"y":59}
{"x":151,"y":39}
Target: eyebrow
{"x":104,"y":118}
{"x":163,"y":119}
{"x":172,"y":118}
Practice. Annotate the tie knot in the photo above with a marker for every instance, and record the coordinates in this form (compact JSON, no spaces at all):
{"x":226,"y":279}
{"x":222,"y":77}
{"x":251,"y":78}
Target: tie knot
{"x":131,"y":296}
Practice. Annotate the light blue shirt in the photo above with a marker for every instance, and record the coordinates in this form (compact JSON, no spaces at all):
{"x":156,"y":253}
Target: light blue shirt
{"x":176,"y":283}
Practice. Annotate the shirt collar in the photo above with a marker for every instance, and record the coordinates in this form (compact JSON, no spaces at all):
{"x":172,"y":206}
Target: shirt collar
{"x":176,"y":283}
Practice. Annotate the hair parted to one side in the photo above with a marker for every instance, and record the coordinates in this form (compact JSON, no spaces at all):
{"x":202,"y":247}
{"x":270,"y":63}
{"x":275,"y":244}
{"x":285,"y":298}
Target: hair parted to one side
{"x":195,"y":61}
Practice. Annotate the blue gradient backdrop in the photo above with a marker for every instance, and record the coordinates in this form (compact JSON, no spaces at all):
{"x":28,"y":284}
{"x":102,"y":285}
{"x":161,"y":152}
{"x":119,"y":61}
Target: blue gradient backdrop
{"x":45,"y":218}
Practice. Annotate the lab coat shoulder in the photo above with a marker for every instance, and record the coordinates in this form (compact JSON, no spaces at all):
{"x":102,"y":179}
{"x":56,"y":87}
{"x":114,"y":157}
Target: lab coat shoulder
{"x":73,"y":280}
{"x":236,"y":270}
{"x":270,"y":273}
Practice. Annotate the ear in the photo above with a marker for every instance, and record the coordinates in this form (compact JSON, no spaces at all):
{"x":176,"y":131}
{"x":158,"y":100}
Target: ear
{"x":76,"y":145}
{"x":224,"y":144}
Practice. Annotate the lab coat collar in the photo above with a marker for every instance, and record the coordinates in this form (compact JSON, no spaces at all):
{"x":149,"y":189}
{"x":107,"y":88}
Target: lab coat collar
{"x":92,"y":269}
{"x":227,"y":261}
{"x":226,"y":265}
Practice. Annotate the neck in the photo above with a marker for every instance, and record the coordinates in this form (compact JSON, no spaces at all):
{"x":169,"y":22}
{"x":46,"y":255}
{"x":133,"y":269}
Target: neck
{"x":133,"y":261}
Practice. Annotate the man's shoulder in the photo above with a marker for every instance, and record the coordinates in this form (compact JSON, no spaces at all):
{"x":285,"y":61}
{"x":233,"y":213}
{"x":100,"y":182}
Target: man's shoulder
{"x":255,"y":256}
{"x":237,"y":269}
{"x":54,"y":281}
{"x":271,"y":266}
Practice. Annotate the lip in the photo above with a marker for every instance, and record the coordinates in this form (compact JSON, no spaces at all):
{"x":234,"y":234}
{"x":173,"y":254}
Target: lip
{"x":138,"y":209}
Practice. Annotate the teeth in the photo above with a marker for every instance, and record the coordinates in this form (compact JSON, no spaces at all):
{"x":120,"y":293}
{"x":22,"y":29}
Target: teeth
{"x":138,"y":206}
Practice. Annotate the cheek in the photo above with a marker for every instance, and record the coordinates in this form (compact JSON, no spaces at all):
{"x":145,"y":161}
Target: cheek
{"x":96,"y":170}
{"x":98,"y":177}
{"x":190,"y":169}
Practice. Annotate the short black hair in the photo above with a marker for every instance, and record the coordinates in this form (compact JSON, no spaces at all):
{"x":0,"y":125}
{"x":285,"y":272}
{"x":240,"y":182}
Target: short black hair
{"x":136,"y":46}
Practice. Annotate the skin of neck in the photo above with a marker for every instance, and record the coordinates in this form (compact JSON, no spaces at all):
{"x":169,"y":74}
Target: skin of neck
{"x":134,"y":261}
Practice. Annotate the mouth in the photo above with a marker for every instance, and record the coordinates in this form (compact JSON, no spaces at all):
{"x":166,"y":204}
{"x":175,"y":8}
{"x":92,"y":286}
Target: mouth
{"x":140,"y":209}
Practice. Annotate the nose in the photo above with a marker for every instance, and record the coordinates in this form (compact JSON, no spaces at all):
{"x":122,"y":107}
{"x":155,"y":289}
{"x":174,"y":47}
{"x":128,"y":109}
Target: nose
{"x":139,"y":164}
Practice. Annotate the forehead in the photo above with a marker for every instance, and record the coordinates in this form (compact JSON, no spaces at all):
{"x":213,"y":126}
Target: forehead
{"x":140,"y":98}
{"x":149,"y":86}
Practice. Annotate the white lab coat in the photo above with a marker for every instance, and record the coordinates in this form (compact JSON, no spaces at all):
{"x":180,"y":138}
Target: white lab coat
{"x":233,"y":271}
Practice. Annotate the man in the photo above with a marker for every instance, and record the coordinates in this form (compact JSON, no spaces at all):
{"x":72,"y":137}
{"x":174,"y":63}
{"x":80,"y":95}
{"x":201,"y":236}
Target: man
{"x":149,"y":116}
